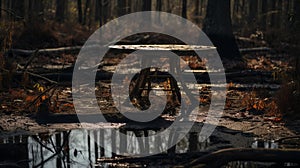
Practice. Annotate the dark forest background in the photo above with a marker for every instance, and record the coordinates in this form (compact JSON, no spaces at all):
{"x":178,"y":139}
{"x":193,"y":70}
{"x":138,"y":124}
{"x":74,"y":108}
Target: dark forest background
{"x":38,"y":24}
{"x":276,"y":21}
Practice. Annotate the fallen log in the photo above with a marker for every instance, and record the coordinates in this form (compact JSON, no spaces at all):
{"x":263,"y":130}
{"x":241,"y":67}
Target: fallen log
{"x":25,"y":53}
{"x":200,"y":77}
{"x":221,"y":157}
{"x":76,"y":49}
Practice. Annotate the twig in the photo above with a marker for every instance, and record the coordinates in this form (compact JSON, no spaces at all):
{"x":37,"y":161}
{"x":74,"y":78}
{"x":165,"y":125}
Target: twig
{"x":37,"y":98}
{"x":30,"y":60}
{"x":42,"y":77}
{"x":12,"y":13}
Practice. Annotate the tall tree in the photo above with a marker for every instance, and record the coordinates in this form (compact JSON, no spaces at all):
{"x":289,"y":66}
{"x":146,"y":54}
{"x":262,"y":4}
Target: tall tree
{"x":79,"y":10}
{"x":263,"y":14}
{"x":183,"y":9}
{"x":252,"y":11}
{"x":98,"y":10}
{"x":121,"y":7}
{"x":147,"y":5}
{"x":217,"y":26}
{"x":0,"y":8}
{"x":18,"y":7}
{"x":158,"y":5}
{"x":86,"y":11}
{"x":34,"y":9}
{"x":60,"y":10}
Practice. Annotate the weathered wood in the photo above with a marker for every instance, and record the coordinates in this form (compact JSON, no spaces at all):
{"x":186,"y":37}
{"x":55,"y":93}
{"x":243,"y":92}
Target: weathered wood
{"x":221,"y":157}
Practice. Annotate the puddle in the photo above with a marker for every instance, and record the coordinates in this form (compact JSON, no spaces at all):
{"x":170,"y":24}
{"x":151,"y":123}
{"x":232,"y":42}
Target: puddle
{"x":82,"y":147}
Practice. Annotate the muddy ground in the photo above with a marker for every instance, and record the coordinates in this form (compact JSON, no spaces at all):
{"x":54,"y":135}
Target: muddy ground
{"x":250,"y":109}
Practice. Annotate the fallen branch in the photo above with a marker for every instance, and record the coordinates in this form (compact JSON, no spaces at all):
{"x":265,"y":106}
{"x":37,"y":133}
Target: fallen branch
{"x":287,"y":138}
{"x":221,"y":157}
{"x":42,"y":77}
{"x":38,"y":98}
{"x":256,"y":49}
{"x":23,"y":52}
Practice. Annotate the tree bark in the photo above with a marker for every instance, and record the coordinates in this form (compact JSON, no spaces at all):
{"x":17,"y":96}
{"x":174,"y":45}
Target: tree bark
{"x":263,"y":14}
{"x":98,"y":11}
{"x":0,"y":8}
{"x":273,"y":14}
{"x":121,"y":7}
{"x":18,"y":8}
{"x":79,"y":10}
{"x":147,"y":5}
{"x":297,"y":10}
{"x":60,"y":10}
{"x":217,"y":26}
{"x":183,"y":11}
{"x":86,"y":11}
{"x":252,"y":11}
{"x":159,"y":5}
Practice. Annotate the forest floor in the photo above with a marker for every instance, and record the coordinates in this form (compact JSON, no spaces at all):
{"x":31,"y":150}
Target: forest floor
{"x":250,"y":106}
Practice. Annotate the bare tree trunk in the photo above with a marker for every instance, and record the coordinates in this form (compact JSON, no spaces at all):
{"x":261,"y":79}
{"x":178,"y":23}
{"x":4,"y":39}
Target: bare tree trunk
{"x":128,"y":6}
{"x":147,"y":5}
{"x":91,"y":13}
{"x":18,"y":7}
{"x":158,"y":5}
{"x":197,"y":7}
{"x":104,"y":11}
{"x":79,"y":10}
{"x":97,"y":10}
{"x":217,"y":25}
{"x":278,"y":20}
{"x":252,"y":17}
{"x":263,"y":15}
{"x":273,"y":13}
{"x":34,"y":9}
{"x":121,"y":7}
{"x":0,"y":8}
{"x":183,"y":11}
{"x":297,"y":11}
{"x":60,"y":10}
{"x":86,"y":11}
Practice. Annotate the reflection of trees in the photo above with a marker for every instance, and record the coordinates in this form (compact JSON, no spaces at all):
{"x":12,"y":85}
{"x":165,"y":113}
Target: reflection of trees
{"x":58,"y":148}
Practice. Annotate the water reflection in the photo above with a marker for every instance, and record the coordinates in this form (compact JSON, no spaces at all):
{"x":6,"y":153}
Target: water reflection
{"x":82,"y":147}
